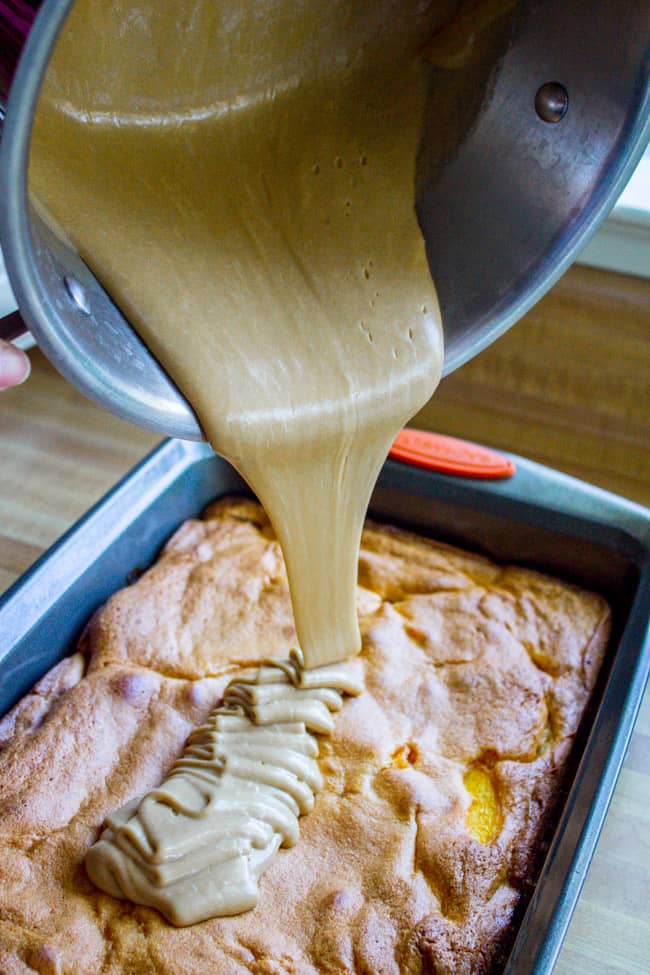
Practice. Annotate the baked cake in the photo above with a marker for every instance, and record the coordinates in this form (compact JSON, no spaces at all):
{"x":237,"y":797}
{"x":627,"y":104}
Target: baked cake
{"x":439,"y":779}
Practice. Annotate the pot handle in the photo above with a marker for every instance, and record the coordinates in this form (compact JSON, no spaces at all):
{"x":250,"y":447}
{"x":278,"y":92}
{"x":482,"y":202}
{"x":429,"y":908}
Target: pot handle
{"x":16,"y":19}
{"x":12,"y":326}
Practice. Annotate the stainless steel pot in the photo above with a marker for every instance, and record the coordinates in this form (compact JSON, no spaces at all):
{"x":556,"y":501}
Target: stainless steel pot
{"x":563,"y":119}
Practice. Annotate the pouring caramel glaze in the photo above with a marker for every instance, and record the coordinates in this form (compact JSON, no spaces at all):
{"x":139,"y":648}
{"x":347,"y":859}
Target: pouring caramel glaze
{"x":195,"y":847}
{"x":240,"y":177}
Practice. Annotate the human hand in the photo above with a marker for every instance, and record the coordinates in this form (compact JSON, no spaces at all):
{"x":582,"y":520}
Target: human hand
{"x":14,"y":365}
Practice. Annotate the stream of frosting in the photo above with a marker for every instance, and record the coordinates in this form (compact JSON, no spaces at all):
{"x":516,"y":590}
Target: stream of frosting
{"x":241,"y":178}
{"x":196,"y":846}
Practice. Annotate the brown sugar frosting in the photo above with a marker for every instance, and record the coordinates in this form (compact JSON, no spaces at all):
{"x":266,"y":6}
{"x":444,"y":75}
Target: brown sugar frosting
{"x":242,"y":182}
{"x":196,"y":846}
{"x":438,"y":780}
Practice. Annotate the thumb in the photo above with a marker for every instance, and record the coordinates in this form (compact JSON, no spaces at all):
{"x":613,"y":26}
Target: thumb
{"x":14,"y":365}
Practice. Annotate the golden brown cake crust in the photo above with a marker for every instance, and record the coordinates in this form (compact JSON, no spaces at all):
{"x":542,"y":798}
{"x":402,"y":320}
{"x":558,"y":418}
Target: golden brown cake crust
{"x":469,"y":667}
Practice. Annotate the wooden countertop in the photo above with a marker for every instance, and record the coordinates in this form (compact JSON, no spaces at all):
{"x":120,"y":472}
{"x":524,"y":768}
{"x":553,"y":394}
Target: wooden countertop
{"x":568,"y":386}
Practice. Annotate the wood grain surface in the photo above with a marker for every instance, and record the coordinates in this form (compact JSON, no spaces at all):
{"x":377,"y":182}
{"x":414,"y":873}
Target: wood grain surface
{"x":568,"y":387}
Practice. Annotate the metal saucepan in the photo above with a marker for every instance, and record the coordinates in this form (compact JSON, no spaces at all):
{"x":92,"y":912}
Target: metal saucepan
{"x":562,"y":118}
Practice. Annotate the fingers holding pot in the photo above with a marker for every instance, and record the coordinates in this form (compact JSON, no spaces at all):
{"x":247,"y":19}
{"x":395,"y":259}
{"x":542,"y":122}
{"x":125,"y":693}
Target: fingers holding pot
{"x":14,"y":365}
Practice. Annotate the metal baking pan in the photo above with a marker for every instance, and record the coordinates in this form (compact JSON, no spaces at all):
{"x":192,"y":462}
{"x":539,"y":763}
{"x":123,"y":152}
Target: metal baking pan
{"x":538,"y":518}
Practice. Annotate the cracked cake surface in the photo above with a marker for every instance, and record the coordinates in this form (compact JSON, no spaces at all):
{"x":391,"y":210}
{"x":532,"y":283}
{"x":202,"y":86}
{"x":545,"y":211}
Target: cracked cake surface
{"x":438,"y":779}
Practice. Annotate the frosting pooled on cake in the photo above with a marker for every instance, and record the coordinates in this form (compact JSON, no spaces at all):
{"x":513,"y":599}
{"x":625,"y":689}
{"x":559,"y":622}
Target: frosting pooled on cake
{"x":195,"y":847}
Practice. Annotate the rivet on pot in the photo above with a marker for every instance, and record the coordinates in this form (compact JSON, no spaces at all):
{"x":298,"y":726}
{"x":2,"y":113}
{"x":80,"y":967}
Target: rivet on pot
{"x":552,"y":102}
{"x":77,"y":294}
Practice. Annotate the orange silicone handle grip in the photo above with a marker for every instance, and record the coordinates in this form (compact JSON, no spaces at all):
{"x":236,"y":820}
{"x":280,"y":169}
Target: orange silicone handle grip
{"x":448,"y":455}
